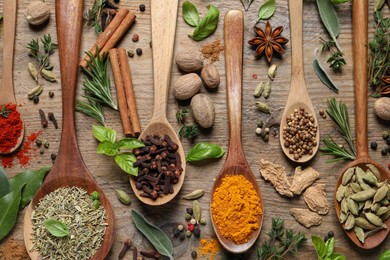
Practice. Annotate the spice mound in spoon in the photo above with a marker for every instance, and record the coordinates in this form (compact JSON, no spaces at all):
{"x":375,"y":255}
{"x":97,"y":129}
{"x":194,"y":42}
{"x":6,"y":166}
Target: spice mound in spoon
{"x":11,"y":126}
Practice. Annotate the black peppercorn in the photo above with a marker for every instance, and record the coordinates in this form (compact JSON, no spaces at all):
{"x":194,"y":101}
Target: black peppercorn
{"x":139,"y":51}
{"x":51,"y":94}
{"x":182,"y":236}
{"x":384,"y":151}
{"x":189,"y":211}
{"x":196,"y":232}
{"x":116,"y":1}
{"x":142,"y":7}
{"x":194,"y":254}
{"x":326,"y":238}
{"x":38,"y":142}
{"x":330,"y":234}
{"x":53,"y":156}
{"x":374,"y":145}
{"x":388,"y":141}
{"x":176,"y":232}
{"x":35,"y":99}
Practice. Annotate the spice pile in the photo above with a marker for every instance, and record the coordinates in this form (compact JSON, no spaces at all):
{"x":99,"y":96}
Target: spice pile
{"x":12,"y":249}
{"x":212,"y":50}
{"x":11,"y":127}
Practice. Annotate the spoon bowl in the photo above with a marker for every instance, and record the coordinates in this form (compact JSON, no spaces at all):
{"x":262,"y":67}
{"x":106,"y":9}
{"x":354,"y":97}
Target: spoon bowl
{"x":298,"y":96}
{"x":235,"y":163}
{"x":163,"y":36}
{"x":69,"y":168}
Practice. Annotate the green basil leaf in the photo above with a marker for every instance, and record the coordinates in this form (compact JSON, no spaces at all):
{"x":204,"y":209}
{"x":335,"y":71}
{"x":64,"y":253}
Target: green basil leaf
{"x":322,"y":75}
{"x":130,"y":143}
{"x":207,"y":25}
{"x":329,"y":247}
{"x":9,"y":208}
{"x":337,"y":256}
{"x":125,"y":162}
{"x":107,"y":148}
{"x":204,"y":150}
{"x":339,"y":1}
{"x":4,"y":183}
{"x":56,"y":228}
{"x":329,"y":17}
{"x":156,"y":236}
{"x":267,"y":10}
{"x":319,"y":246}
{"x":32,"y":179}
{"x":104,"y":133}
{"x":385,"y":255}
{"x":190,"y":14}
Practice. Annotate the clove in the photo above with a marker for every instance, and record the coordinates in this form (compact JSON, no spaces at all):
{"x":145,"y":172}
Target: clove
{"x":150,"y":254}
{"x":135,"y":253}
{"x":44,"y":121}
{"x":126,"y":246}
{"x":53,"y":119}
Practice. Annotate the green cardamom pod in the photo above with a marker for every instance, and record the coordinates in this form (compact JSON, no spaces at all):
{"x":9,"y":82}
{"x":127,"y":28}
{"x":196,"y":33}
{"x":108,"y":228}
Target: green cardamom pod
{"x":35,"y":91}
{"x":348,"y":192}
{"x":374,"y":170}
{"x":363,"y":195}
{"x":370,"y":178}
{"x":353,"y":207}
{"x":381,"y":193}
{"x":350,"y":223}
{"x":359,"y":232}
{"x":258,"y":89}
{"x":372,"y":232}
{"x":343,"y":217}
{"x":263,"y":107}
{"x":367,"y":204}
{"x":344,"y":206}
{"x":123,"y":197}
{"x":348,"y":175}
{"x":377,"y":221}
{"x":363,"y":223}
{"x":385,"y":202}
{"x":33,"y":71}
{"x":340,"y":192}
{"x":196,"y":194}
{"x":381,"y":211}
{"x":361,"y":205}
{"x":48,"y":75}
{"x":272,"y":71}
{"x":355,"y":187}
{"x":375,"y":206}
{"x":386,"y":215}
{"x":267,"y":89}
{"x":196,"y":210}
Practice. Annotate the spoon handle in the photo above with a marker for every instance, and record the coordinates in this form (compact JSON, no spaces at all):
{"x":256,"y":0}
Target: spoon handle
{"x":234,"y":33}
{"x":360,"y":32}
{"x":163,"y":16}
{"x":7,"y":82}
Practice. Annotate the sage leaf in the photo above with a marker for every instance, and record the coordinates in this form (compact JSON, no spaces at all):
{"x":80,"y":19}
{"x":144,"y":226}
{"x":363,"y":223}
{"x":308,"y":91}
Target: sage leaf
{"x":9,"y":208}
{"x":329,"y":247}
{"x":156,"y":236}
{"x":56,"y":228}
{"x":32,"y":180}
{"x":321,"y":73}
{"x":385,"y":255}
{"x":329,"y":19}
{"x":130,"y":143}
{"x":190,"y":14}
{"x":207,"y":25}
{"x":319,"y":246}
{"x":266,"y":10}
{"x":4,"y":183}
{"x":125,"y":162}
{"x":104,"y":133}
{"x":107,"y":148}
{"x":203,"y":151}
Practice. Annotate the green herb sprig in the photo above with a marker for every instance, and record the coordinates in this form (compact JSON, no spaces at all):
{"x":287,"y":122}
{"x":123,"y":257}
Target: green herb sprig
{"x":266,"y":10}
{"x":4,"y":112}
{"x":385,"y":255}
{"x":203,"y":150}
{"x":322,"y":75}
{"x":186,"y":131}
{"x":93,"y":14}
{"x":42,"y":57}
{"x":325,"y":250}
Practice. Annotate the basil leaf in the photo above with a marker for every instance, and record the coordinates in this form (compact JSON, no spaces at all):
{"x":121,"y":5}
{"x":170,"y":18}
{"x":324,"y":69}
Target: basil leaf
{"x":156,"y":236}
{"x":104,"y":133}
{"x":32,"y":179}
{"x":130,"y":143}
{"x":56,"y":228}
{"x":385,"y":255}
{"x":329,"y":247}
{"x":9,"y":208}
{"x":329,"y":17}
{"x":4,"y":183}
{"x":321,"y":73}
{"x":107,"y":148}
{"x":190,"y":14}
{"x":207,"y":25}
{"x":267,"y":10}
{"x":337,"y":256}
{"x":319,"y":246}
{"x":338,"y":1}
{"x":204,"y":150}
{"x":125,"y":162}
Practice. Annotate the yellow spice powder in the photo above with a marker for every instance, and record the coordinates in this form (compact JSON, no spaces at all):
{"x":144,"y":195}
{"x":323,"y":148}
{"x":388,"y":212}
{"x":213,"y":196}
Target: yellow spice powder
{"x":208,"y":248}
{"x":236,"y":208}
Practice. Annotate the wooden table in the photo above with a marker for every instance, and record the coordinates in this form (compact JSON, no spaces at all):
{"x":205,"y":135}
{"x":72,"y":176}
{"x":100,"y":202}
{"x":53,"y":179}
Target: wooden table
{"x":109,"y":175}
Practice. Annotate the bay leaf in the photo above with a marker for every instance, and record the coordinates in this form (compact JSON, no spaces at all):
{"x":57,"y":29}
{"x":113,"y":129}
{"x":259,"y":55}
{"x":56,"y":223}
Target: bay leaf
{"x":4,"y":183}
{"x":322,"y":75}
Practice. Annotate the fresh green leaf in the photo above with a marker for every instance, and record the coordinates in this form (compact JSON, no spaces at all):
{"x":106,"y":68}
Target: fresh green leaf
{"x":56,"y":228}
{"x":329,"y":247}
{"x":207,"y":25}
{"x":339,"y":1}
{"x":107,"y":148}
{"x":319,"y":246}
{"x":32,"y":180}
{"x":104,"y":133}
{"x":125,"y":162}
{"x":322,"y":75}
{"x":337,"y":256}
{"x":266,"y":10}
{"x":4,"y":183}
{"x":385,"y":255}
{"x":156,"y":236}
{"x":378,"y":5}
{"x":329,"y":19}
{"x":190,"y":14}
{"x":130,"y":143}
{"x":204,"y":150}
{"x":9,"y":208}
{"x":91,"y":108}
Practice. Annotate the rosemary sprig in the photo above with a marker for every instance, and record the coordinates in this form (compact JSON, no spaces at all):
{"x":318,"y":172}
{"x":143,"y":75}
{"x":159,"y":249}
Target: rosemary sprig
{"x":92,"y":109}
{"x":186,"y":131}
{"x":48,"y":48}
{"x":338,"y":151}
{"x":4,"y":112}
{"x":94,"y":13}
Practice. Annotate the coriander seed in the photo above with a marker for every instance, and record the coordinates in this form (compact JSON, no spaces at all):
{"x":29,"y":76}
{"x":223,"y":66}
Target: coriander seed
{"x":193,"y":221}
{"x":258,"y":130}
{"x":180,"y":227}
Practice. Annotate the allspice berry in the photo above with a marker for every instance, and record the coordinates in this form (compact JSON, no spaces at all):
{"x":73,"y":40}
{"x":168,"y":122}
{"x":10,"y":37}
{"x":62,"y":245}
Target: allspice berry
{"x":210,"y":76}
{"x":37,"y":13}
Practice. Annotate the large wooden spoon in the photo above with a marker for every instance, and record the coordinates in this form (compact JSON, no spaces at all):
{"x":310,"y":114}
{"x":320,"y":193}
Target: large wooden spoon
{"x":69,"y":168}
{"x":235,"y":163}
{"x":7,"y":94}
{"x":163,"y":15}
{"x":298,"y":95}
{"x":360,"y":32}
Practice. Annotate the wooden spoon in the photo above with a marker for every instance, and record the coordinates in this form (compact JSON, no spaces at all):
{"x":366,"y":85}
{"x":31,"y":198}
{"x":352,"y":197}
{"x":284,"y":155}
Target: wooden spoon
{"x":360,"y":32}
{"x":7,"y":94}
{"x":298,"y":96}
{"x":235,"y":163}
{"x":69,"y":168}
{"x":163,"y":36}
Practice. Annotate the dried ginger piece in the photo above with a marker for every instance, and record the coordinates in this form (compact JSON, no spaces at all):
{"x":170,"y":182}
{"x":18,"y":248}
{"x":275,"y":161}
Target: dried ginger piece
{"x":303,"y":179}
{"x":276,"y":174}
{"x":306,"y":217}
{"x":315,"y":198}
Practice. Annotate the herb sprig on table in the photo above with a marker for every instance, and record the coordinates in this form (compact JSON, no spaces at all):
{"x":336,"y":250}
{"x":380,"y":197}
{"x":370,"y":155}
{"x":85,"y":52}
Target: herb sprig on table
{"x":325,"y":250}
{"x":186,"y":131}
{"x":4,"y":112}
{"x":93,"y":15}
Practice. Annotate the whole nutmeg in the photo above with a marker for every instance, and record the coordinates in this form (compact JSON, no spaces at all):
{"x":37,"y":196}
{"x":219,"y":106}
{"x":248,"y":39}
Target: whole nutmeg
{"x":203,"y":110}
{"x":210,"y":76}
{"x":382,"y":108}
{"x":186,"y":86}
{"x":37,"y":13}
{"x":189,"y":61}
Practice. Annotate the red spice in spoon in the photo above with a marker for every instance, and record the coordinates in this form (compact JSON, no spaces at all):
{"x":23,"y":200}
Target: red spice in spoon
{"x":11,"y":127}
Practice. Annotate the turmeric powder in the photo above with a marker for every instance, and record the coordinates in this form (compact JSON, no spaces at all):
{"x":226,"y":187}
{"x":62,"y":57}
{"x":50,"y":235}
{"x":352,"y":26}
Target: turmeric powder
{"x":208,"y":248}
{"x":236,"y":208}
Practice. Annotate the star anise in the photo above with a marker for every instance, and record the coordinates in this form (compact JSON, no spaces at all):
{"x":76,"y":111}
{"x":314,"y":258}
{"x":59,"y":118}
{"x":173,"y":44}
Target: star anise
{"x":268,"y":41}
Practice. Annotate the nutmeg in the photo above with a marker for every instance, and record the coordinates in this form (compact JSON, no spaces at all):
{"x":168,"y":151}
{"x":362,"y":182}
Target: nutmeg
{"x":186,"y":86}
{"x":210,"y":76}
{"x":189,"y":61}
{"x":203,"y":110}
{"x":37,"y":13}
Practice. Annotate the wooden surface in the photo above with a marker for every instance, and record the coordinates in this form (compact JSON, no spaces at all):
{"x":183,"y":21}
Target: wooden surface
{"x":110,"y":177}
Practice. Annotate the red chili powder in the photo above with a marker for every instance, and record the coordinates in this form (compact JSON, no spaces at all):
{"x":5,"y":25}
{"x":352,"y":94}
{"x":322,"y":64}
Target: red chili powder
{"x":10,"y":128}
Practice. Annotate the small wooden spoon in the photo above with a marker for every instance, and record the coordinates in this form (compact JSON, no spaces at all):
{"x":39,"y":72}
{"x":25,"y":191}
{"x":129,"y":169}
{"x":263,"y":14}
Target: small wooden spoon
{"x":360,"y":32}
{"x":235,"y":163}
{"x":163,"y":36}
{"x":7,"y":94}
{"x":69,"y":168}
{"x":298,"y":96}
